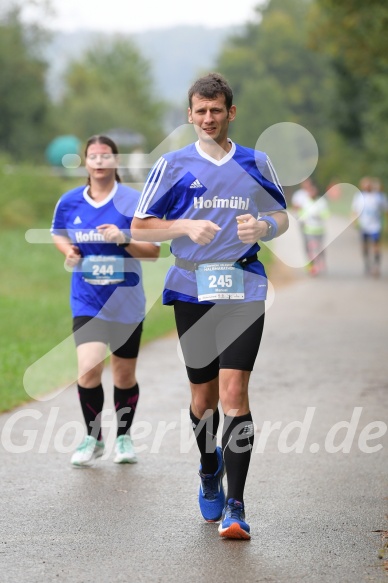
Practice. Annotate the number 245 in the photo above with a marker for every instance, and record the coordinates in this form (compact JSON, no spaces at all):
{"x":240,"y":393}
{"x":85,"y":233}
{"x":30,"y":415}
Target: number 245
{"x":221,"y":281}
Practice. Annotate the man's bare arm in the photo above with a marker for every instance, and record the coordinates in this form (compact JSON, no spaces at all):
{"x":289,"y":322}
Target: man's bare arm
{"x":155,"y":229}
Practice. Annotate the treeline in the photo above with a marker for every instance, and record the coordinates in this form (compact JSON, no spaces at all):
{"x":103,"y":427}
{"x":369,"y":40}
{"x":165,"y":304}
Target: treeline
{"x":109,"y":86}
{"x":320,"y":63}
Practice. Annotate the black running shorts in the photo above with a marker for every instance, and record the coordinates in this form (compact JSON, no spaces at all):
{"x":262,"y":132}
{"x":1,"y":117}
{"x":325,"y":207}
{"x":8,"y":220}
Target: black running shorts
{"x":122,"y":339}
{"x":218,"y":336}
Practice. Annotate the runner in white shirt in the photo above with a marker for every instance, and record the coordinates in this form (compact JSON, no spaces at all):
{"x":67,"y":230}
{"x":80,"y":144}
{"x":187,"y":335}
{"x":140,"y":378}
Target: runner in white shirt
{"x":313,"y":214}
{"x":300,"y":196}
{"x":369,"y":206}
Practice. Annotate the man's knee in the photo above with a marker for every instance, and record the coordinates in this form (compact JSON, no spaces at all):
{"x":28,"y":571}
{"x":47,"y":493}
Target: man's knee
{"x":204,"y":398}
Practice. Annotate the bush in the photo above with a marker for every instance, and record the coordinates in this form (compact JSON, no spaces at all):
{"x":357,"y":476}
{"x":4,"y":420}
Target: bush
{"x":28,"y":194}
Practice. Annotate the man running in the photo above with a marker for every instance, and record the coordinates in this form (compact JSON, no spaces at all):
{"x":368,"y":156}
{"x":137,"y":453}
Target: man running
{"x":215,"y":199}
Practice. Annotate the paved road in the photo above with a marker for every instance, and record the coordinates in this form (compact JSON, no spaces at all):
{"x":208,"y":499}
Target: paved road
{"x":313,"y":510}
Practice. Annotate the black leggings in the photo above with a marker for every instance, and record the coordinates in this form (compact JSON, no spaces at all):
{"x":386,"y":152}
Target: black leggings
{"x":122,"y":339}
{"x":214,"y":336}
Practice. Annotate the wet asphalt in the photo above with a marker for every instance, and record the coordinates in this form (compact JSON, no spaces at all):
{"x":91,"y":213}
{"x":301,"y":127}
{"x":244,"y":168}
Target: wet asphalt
{"x":317,"y":490}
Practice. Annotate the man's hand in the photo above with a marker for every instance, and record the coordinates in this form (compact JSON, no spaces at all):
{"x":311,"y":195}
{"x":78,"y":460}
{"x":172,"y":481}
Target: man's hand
{"x":249,"y":229}
{"x":201,"y":232}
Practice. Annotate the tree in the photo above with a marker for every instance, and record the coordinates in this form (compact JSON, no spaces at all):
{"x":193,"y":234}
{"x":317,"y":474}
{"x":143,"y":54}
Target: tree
{"x":354,"y":29}
{"x":24,"y":103}
{"x":276,"y":76}
{"x":271,"y":60}
{"x":110,"y":86}
{"x":353,"y":35}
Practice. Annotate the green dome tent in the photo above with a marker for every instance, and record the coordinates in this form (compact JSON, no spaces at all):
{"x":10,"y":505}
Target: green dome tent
{"x":60,"y":146}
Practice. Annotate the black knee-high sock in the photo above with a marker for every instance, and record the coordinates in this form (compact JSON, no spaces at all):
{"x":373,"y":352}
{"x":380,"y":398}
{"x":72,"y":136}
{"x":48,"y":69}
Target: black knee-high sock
{"x":237,"y":443}
{"x":125,"y":405}
{"x":92,"y":402}
{"x":206,"y":434}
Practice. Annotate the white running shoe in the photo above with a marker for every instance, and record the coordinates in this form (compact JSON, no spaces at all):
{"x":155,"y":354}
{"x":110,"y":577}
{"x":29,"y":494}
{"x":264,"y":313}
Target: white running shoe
{"x":124,"y":452}
{"x":89,"y":450}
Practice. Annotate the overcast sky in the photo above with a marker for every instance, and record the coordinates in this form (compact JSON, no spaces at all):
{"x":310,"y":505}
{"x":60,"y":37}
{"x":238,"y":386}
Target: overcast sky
{"x":140,"y":15}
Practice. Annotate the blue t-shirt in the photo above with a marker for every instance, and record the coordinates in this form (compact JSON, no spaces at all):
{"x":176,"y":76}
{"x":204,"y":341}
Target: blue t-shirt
{"x":189,"y":184}
{"x":76,"y":216}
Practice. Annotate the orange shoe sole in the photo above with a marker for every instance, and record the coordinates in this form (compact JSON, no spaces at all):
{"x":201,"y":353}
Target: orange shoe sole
{"x":235,"y":532}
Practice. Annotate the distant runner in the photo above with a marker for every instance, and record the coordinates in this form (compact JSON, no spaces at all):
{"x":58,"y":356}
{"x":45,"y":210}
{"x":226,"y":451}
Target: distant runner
{"x":369,"y":206}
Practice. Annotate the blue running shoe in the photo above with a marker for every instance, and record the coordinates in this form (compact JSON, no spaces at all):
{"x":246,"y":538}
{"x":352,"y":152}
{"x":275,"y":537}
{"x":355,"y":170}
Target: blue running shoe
{"x":233,"y":523}
{"x":211,"y":495}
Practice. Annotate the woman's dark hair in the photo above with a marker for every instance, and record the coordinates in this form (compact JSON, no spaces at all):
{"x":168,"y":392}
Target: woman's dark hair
{"x":211,"y":86}
{"x":108,"y":142}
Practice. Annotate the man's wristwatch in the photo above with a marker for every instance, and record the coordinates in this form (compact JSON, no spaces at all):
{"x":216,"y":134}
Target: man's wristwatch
{"x":126,"y":242}
{"x":270,"y":229}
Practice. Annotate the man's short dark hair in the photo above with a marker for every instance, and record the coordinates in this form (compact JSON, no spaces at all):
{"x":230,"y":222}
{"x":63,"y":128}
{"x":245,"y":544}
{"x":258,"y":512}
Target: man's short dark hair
{"x":211,"y":86}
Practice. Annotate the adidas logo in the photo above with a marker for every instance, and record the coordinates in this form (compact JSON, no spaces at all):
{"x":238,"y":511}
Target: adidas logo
{"x":77,"y":221}
{"x":196,"y":184}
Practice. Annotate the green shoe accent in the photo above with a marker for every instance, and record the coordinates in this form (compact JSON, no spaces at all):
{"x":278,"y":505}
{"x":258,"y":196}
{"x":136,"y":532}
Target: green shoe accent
{"x":124,"y":451}
{"x":89,"y":450}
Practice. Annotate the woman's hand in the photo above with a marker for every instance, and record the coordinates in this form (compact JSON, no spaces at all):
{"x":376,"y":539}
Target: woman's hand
{"x":111,"y":233}
{"x":73,"y":256}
